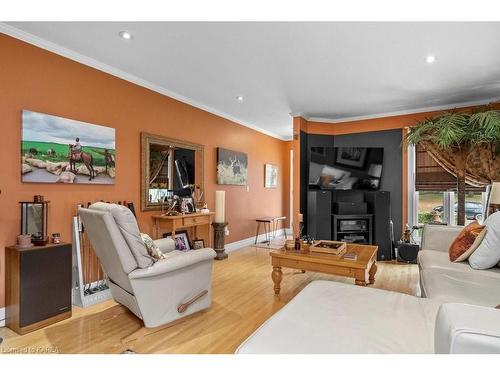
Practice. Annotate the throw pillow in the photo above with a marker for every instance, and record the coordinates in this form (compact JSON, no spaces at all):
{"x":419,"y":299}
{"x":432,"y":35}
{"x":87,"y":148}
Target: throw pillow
{"x":487,"y":255}
{"x":464,"y":240}
{"x":473,"y":248}
{"x":153,"y":249}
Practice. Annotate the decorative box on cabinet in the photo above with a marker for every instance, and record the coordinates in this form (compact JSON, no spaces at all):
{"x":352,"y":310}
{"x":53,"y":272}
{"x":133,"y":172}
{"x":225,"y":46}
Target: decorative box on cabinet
{"x":38,"y":286}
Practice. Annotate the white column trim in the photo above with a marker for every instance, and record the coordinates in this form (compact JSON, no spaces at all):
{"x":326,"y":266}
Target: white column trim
{"x":291,"y":191}
{"x":450,"y":198}
{"x":2,"y":317}
{"x":485,"y":199}
{"x":412,"y":198}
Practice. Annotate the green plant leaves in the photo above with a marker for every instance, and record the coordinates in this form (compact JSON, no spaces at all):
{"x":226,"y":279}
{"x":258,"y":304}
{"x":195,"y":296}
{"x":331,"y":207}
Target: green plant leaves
{"x":452,"y":130}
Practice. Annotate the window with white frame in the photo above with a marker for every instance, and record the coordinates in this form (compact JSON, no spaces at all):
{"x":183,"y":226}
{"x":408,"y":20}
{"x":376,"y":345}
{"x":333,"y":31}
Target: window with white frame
{"x":433,"y":192}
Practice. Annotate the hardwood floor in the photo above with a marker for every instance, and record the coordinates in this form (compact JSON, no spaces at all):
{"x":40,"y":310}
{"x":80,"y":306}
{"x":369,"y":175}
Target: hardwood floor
{"x":243,"y":298}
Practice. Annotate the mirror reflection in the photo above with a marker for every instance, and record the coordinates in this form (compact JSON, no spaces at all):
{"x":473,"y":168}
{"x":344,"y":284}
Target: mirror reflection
{"x":169,"y":167}
{"x":33,"y":220}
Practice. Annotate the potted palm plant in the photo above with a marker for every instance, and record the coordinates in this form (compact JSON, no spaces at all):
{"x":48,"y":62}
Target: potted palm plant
{"x":455,"y":135}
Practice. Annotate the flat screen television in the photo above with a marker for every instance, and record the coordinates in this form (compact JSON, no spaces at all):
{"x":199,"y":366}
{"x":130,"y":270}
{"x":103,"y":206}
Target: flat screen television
{"x":346,"y":168}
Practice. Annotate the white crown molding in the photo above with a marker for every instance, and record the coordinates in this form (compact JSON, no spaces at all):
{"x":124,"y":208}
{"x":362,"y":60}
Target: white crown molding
{"x":298,"y":114}
{"x":75,"y":56}
{"x":398,"y":113}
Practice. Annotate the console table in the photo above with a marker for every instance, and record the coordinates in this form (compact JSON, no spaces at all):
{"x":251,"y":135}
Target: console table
{"x":199,"y":223}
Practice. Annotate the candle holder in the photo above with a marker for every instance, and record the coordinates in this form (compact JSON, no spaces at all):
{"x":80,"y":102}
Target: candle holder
{"x":219,"y":240}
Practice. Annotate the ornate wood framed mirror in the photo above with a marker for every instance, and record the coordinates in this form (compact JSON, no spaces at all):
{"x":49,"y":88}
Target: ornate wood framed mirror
{"x":168,"y":166}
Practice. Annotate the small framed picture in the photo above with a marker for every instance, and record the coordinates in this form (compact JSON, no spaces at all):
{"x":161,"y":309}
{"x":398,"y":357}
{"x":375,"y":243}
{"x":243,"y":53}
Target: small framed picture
{"x":181,"y":240}
{"x":351,"y":156}
{"x":187,"y":205}
{"x":198,"y":244}
{"x":270,"y":176}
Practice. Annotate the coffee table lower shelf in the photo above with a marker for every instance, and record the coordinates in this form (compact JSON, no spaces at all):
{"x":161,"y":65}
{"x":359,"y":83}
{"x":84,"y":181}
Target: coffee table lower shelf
{"x":363,"y":269}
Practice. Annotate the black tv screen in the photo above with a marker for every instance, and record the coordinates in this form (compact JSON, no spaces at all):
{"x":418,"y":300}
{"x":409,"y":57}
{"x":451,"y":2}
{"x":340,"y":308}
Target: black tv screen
{"x":346,"y":168}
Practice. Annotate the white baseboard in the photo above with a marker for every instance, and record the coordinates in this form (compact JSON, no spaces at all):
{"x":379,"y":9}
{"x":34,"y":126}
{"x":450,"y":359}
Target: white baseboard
{"x":2,"y":317}
{"x":237,"y":245}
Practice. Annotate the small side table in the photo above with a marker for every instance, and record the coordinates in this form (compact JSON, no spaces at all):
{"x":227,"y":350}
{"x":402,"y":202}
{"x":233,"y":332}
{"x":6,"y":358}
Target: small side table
{"x":270,"y":226}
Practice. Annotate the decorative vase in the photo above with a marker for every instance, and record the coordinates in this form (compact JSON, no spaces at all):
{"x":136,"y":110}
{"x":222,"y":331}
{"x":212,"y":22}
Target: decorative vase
{"x":24,"y":240}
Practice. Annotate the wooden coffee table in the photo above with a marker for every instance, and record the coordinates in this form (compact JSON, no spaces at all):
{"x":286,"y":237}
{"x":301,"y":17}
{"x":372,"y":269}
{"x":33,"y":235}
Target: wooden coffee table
{"x":362,"y":269}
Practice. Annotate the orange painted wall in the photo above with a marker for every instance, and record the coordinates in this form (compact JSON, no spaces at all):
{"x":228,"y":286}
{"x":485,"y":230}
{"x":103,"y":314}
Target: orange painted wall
{"x":35,"y":79}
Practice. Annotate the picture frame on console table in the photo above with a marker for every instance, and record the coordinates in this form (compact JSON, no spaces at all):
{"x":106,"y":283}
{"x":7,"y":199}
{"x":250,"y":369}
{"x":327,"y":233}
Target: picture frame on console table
{"x":181,"y":240}
{"x":198,"y":244}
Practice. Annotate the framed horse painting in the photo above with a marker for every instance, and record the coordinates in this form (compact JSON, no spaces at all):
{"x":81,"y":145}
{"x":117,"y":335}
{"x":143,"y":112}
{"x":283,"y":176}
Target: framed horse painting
{"x":59,"y":150}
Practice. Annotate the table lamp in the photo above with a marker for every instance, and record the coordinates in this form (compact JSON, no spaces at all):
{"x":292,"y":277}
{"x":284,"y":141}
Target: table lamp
{"x":494,"y":201}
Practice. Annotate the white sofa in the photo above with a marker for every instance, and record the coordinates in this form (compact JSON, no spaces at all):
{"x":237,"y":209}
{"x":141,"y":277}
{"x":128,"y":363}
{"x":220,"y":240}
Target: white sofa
{"x":330,"y":317}
{"x":335,"y":318}
{"x":445,"y":281}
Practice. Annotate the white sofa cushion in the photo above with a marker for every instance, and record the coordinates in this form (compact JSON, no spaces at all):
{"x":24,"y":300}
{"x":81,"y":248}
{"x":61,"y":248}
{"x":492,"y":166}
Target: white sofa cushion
{"x":487,"y":254}
{"x":331,"y":317}
{"x":166,"y":245}
{"x":439,"y":237}
{"x":467,"y":329}
{"x":473,"y":287}
{"x":440,"y":259}
{"x":126,"y":222}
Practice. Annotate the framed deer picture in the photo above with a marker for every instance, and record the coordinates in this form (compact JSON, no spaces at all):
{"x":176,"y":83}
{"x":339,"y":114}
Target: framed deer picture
{"x":232,"y":167}
{"x":55,"y":149}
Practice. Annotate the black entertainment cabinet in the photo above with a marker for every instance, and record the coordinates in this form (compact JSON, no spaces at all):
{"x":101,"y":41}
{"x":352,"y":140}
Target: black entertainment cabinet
{"x":385,"y":204}
{"x":353,"y":216}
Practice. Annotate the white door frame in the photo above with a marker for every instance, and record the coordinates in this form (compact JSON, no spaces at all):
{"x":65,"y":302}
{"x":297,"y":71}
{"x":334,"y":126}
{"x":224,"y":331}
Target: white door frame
{"x":291,"y":191}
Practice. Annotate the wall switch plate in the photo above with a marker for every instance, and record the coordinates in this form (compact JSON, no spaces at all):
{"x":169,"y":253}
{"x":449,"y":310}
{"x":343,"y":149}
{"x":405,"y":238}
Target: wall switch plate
{"x":247,"y":188}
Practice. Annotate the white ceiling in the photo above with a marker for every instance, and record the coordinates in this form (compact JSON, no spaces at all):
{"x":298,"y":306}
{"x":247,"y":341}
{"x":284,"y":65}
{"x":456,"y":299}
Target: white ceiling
{"x":334,"y":71}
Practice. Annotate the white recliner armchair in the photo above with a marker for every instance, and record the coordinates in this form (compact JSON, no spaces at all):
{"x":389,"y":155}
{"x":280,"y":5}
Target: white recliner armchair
{"x":160,"y":293}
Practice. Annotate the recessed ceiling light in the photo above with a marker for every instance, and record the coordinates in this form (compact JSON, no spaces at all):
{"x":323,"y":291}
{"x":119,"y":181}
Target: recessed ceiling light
{"x":239,"y":98}
{"x":430,"y":59}
{"x":125,"y":35}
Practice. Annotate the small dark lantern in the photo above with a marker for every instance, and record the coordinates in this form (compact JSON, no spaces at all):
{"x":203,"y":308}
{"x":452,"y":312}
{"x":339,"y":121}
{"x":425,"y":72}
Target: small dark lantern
{"x":34,"y":219}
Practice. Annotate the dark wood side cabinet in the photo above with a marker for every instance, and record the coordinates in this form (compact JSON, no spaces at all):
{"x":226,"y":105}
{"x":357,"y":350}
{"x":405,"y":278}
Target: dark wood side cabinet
{"x":38,"y":286}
